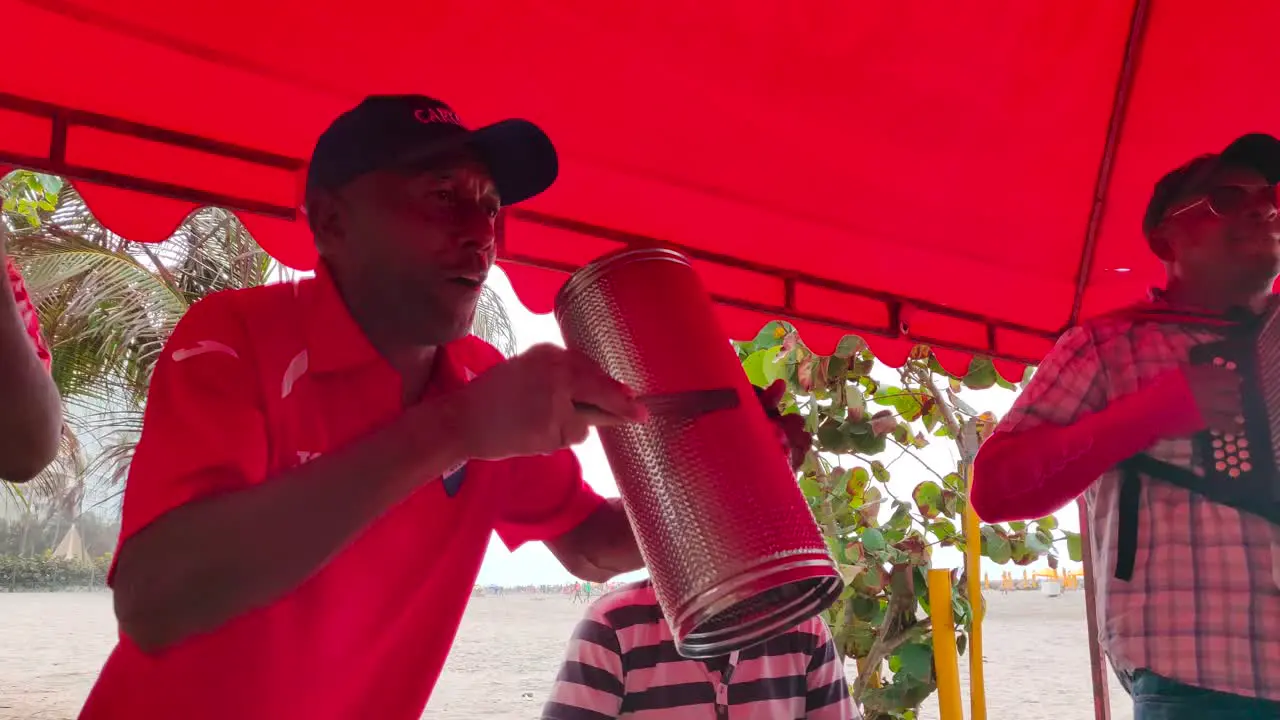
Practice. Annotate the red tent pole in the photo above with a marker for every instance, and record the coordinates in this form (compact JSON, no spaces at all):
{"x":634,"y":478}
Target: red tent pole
{"x":1115,"y":128}
{"x":1097,"y":666}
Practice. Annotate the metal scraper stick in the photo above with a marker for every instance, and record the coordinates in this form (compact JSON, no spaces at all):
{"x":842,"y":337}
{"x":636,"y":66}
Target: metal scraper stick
{"x":690,"y":403}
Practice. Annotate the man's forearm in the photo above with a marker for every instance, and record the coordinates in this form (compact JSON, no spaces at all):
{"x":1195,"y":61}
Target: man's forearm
{"x":30,"y":409}
{"x":1024,"y":475}
{"x":203,"y":564}
{"x":600,"y":547}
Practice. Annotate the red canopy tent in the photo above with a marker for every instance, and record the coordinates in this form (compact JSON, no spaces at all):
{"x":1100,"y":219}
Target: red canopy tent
{"x":975,"y":171}
{"x":970,"y":175}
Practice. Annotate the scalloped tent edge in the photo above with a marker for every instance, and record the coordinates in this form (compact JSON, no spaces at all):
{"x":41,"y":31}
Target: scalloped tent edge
{"x":124,"y":172}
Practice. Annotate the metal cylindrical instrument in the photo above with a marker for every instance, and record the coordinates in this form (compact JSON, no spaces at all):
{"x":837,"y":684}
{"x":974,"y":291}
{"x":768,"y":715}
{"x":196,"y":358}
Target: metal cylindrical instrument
{"x":733,"y":551}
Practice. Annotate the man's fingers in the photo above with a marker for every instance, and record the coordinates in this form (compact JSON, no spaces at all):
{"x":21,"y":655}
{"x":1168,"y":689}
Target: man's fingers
{"x":594,"y":416}
{"x":793,"y":423}
{"x":589,"y":385}
{"x":1224,"y":381}
{"x":772,"y":395}
{"x":574,"y":431}
{"x":1225,"y":420}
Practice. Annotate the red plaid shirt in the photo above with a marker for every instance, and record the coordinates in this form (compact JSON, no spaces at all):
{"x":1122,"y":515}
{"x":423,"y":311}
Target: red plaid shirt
{"x":1203,"y":605}
{"x":28,"y":311}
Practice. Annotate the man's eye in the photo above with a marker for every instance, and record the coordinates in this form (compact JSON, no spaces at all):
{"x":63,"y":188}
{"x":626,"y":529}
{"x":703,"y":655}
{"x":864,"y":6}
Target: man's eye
{"x":448,"y":196}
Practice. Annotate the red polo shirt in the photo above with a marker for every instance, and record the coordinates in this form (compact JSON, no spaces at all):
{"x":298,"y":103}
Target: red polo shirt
{"x":251,"y":384}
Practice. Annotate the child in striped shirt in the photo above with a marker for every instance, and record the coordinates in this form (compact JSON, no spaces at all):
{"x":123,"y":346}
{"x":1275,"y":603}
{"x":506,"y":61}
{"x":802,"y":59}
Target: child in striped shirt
{"x":622,"y":663}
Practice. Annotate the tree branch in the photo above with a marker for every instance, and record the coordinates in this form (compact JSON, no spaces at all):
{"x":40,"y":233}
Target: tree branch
{"x":883,"y":648}
{"x":912,"y":455}
{"x":925,"y":377}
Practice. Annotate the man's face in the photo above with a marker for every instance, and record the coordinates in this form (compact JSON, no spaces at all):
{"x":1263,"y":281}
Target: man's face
{"x":1239,"y":245}
{"x":415,"y":243}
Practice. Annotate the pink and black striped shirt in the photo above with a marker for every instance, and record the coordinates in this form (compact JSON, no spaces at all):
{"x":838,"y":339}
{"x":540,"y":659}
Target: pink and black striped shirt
{"x":622,"y":663}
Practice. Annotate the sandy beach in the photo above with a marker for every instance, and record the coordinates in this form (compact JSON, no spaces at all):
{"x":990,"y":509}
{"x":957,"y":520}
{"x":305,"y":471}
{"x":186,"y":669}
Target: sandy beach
{"x":508,"y":650}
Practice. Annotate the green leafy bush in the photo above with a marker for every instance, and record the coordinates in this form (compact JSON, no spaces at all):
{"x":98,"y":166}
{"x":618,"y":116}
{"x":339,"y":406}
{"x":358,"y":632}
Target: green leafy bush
{"x":47,"y":573}
{"x":883,"y":542}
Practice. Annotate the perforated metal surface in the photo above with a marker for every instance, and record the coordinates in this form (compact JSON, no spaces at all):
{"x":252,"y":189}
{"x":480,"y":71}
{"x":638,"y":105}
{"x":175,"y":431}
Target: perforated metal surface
{"x":733,"y":551}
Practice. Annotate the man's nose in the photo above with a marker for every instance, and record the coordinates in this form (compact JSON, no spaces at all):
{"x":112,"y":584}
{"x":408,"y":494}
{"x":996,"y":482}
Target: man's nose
{"x":1263,"y":207}
{"x":476,"y":228}
{"x":1265,"y":211}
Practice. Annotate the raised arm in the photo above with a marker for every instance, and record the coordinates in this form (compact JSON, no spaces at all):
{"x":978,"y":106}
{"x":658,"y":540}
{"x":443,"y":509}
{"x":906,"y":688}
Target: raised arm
{"x":31,"y":411}
{"x":600,"y":547}
{"x":1064,"y":432}
{"x":199,"y":506}
{"x":197,"y":511}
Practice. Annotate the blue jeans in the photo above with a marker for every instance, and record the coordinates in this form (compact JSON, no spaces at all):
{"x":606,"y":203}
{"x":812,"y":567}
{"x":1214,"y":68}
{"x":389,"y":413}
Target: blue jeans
{"x":1159,"y":698}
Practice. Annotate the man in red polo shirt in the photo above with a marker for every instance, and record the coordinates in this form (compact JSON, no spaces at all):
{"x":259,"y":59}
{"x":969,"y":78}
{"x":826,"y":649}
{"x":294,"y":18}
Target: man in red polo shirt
{"x":322,"y":463}
{"x":31,"y":415}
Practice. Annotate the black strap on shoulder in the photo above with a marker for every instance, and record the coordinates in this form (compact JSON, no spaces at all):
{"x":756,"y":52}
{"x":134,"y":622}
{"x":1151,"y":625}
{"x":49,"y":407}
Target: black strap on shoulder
{"x":1133,"y":470}
{"x":1130,"y":505}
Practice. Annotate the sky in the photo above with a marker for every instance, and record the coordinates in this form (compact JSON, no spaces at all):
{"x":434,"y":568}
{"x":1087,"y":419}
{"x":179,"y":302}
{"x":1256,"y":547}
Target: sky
{"x":534,"y":564}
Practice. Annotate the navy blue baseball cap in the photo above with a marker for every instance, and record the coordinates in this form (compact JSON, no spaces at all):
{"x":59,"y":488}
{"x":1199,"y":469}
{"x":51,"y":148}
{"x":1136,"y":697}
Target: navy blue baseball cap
{"x":1256,"y":151}
{"x":406,"y":131}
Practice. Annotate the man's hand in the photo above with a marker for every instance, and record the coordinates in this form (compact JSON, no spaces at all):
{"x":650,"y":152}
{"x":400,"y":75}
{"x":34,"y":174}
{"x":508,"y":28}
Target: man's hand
{"x":1217,"y":395}
{"x":538,"y":402}
{"x":795,"y":440}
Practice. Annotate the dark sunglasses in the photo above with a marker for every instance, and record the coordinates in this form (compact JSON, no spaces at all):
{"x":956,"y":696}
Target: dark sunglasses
{"x":1227,"y":200}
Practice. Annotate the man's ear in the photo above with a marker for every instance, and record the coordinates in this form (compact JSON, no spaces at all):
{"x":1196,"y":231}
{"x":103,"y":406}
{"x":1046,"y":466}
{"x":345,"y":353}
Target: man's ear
{"x":1161,"y":243}
{"x":324,"y":215}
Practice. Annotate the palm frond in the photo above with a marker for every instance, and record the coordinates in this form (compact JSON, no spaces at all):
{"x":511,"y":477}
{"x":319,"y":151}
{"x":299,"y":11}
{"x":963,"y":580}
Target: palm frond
{"x":492,"y":323}
{"x":106,"y":307}
{"x":111,"y":428}
{"x":59,"y":487}
{"x":103,"y":313}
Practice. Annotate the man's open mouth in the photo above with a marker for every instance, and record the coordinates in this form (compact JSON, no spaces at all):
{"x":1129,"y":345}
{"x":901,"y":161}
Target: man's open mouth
{"x":471,"y":281}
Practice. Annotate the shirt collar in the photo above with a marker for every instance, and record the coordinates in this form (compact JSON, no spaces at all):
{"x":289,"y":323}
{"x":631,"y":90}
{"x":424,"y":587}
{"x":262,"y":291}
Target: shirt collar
{"x":1156,"y":296}
{"x":335,"y":342}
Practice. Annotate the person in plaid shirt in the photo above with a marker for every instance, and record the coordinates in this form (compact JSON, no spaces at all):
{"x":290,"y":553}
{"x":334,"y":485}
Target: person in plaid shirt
{"x":1188,"y":587}
{"x":31,"y":413}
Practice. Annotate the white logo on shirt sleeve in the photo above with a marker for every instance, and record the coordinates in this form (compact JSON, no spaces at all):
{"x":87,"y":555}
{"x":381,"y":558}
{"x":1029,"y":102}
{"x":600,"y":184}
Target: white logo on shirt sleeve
{"x":202,"y":348}
{"x":297,"y":368}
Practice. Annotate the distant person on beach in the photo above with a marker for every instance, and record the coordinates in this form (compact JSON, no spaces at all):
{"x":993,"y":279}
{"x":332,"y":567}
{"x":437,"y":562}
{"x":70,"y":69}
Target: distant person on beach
{"x":1187,"y":580}
{"x":30,"y":409}
{"x":322,"y":463}
{"x":622,"y":662}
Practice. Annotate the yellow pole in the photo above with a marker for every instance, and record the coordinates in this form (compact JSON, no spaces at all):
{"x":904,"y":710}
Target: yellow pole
{"x":972,"y":565}
{"x":945,"y":663}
